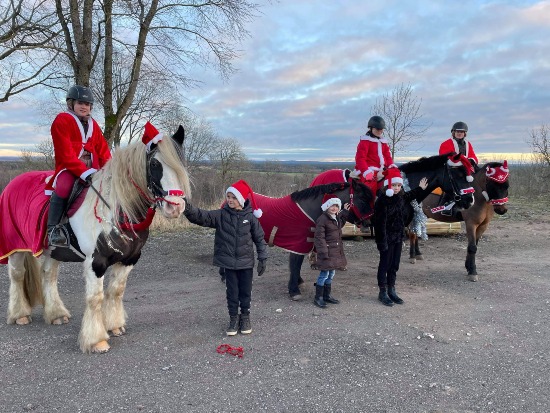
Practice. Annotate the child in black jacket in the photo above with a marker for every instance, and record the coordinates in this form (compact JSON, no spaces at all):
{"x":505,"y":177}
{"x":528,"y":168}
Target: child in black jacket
{"x":237,"y":229}
{"x":389,"y":225}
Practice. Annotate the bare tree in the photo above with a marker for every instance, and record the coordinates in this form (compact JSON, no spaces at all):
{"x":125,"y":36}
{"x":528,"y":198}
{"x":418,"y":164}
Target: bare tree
{"x":228,"y":157}
{"x":27,"y":33}
{"x":401,"y":111}
{"x":539,"y":140}
{"x":41,"y":158}
{"x":166,"y":37}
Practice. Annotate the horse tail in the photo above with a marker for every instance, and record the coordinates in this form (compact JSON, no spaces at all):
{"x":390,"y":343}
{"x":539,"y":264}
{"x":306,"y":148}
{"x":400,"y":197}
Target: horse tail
{"x":32,"y":282}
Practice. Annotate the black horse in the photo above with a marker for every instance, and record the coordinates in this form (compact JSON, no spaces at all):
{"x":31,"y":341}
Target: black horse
{"x":491,"y":195}
{"x":445,"y":171}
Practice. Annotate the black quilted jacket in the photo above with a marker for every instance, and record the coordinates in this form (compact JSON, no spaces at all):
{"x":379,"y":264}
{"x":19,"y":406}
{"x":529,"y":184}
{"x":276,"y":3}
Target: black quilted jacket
{"x":236,"y":234}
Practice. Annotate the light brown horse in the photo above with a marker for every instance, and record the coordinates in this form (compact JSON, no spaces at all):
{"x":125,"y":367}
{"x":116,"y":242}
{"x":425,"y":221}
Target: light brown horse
{"x":491,"y":195}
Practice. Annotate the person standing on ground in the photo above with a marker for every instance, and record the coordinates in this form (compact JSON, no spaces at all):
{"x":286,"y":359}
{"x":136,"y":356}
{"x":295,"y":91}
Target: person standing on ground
{"x":389,"y":226}
{"x":237,"y":231}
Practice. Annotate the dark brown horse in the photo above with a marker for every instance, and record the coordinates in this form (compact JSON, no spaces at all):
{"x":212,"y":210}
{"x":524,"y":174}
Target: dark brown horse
{"x":491,"y":195}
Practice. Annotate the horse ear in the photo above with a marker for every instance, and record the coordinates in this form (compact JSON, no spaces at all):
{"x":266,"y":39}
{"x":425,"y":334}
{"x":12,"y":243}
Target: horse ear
{"x":179,"y":136}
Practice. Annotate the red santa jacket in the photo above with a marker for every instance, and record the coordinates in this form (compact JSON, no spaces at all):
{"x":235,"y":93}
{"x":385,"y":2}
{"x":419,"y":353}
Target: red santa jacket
{"x":69,"y":142}
{"x":372,"y":155}
{"x":450,"y":145}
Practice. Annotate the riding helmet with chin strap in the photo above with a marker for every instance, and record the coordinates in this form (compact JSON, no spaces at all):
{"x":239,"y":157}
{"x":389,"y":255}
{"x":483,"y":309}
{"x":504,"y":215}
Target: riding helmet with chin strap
{"x":80,"y":93}
{"x":460,"y":126}
{"x":377,"y":122}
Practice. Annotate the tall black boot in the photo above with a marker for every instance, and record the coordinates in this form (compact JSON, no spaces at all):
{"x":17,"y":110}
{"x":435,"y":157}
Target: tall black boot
{"x":383,"y":297}
{"x":56,"y":236}
{"x":319,"y":302}
{"x":393,"y":296}
{"x":326,"y":295}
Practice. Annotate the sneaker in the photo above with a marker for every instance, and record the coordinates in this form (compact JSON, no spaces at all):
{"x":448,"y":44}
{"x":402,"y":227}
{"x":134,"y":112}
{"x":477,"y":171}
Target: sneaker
{"x":245,"y":324}
{"x":232,"y":329}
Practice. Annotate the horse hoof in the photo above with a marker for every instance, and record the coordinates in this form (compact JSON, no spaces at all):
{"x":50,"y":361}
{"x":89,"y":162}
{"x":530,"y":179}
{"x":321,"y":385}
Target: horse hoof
{"x":60,"y":320}
{"x":117,"y":332}
{"x":23,"y":321}
{"x":412,"y":260}
{"x":472,"y":277}
{"x":101,"y":347}
{"x":419,"y":257}
{"x":296,"y":297}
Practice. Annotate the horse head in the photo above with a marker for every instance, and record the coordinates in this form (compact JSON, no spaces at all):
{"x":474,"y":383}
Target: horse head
{"x":167,"y":178}
{"x":360,"y":202}
{"x":496,"y":188}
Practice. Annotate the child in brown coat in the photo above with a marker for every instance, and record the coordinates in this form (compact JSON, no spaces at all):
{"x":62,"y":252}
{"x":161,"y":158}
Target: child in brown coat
{"x":329,"y":247}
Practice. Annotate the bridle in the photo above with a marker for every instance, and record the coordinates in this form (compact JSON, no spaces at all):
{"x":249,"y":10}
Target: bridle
{"x":498,"y":175}
{"x":154,"y":186}
{"x":457,"y":192}
{"x":352,"y":206}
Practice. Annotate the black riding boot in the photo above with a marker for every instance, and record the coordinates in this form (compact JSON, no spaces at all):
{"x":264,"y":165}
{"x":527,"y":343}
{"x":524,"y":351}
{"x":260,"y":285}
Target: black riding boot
{"x":326,"y":295}
{"x":56,"y":237}
{"x":319,"y":302}
{"x":393,"y":296}
{"x":383,"y":297}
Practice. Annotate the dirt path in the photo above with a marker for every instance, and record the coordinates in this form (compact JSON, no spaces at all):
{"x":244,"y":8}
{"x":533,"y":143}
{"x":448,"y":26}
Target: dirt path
{"x":455,"y":346}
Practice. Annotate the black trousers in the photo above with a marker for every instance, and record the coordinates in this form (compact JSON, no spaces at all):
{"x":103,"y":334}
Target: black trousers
{"x":238,"y":290}
{"x":389,"y":265}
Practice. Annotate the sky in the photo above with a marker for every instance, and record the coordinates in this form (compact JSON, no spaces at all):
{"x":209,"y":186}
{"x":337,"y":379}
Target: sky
{"x":311,"y":71}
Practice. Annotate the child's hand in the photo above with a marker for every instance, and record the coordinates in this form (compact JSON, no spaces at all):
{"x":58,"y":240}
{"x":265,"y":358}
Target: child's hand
{"x":423,"y":183}
{"x":346,"y":206}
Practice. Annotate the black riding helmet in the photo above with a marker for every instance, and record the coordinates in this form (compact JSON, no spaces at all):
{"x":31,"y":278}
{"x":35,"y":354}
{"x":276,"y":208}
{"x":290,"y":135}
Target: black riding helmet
{"x":80,"y":93}
{"x":460,"y":126}
{"x":377,"y":122}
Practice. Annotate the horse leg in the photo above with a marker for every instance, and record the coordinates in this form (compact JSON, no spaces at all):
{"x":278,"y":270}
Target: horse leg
{"x":295,"y":265}
{"x":93,"y":335}
{"x":113,"y":307}
{"x":24,"y":288}
{"x":412,"y":251}
{"x":54,"y":309}
{"x":471,"y":253}
{"x":417,"y":251}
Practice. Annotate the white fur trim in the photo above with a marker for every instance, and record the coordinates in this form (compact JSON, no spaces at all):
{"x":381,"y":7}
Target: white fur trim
{"x":237,"y":194}
{"x":258,"y":213}
{"x":470,"y":178}
{"x":331,"y":202}
{"x":389,"y":192}
{"x":87,"y":173}
{"x":394,"y":181}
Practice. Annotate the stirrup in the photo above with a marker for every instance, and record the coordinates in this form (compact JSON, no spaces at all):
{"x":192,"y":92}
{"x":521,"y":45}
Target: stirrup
{"x":60,"y":232}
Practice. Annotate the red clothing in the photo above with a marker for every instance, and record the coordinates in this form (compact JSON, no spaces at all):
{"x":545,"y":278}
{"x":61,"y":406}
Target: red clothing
{"x":372,"y":155}
{"x":450,"y":145}
{"x":69,"y":142}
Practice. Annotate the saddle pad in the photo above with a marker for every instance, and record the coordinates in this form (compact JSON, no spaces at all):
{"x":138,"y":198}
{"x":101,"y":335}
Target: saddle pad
{"x":23,"y":215}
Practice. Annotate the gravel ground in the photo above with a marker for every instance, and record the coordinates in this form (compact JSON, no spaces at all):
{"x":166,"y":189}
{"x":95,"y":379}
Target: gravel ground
{"x":454,"y":346}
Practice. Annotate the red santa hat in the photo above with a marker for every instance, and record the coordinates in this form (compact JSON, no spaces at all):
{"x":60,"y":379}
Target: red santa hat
{"x":498,"y":174}
{"x":461,"y":160}
{"x":151,"y":135}
{"x":330,"y":200}
{"x":392,"y":176}
{"x":242,"y":191}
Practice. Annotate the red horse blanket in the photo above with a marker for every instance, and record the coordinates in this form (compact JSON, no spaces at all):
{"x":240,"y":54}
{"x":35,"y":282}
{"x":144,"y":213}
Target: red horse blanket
{"x":285,"y":224}
{"x":23,"y":215}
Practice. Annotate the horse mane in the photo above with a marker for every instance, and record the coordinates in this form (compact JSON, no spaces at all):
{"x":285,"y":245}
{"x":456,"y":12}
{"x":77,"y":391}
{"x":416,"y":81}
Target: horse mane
{"x":317,"y":190}
{"x":492,"y":165}
{"x":424,"y":164}
{"x":124,"y":178}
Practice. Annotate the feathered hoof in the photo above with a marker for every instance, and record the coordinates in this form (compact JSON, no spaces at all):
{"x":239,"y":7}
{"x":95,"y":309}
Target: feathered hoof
{"x":101,"y":347}
{"x":60,"y":320}
{"x":420,"y":257}
{"x":117,"y":332}
{"x":472,"y":277}
{"x":23,"y":321}
{"x":412,"y":260}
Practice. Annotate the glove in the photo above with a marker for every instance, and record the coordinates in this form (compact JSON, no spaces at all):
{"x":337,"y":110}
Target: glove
{"x":221,"y":271}
{"x":187,"y":209}
{"x":261,"y":267}
{"x":380,"y":175}
{"x":368,"y":176}
{"x":88,"y":180}
{"x":382,"y":247}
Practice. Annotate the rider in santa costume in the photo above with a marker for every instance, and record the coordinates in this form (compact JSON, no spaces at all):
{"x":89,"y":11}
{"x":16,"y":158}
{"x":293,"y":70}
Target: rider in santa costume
{"x":373,"y":155}
{"x":458,"y":144}
{"x":80,"y":149}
